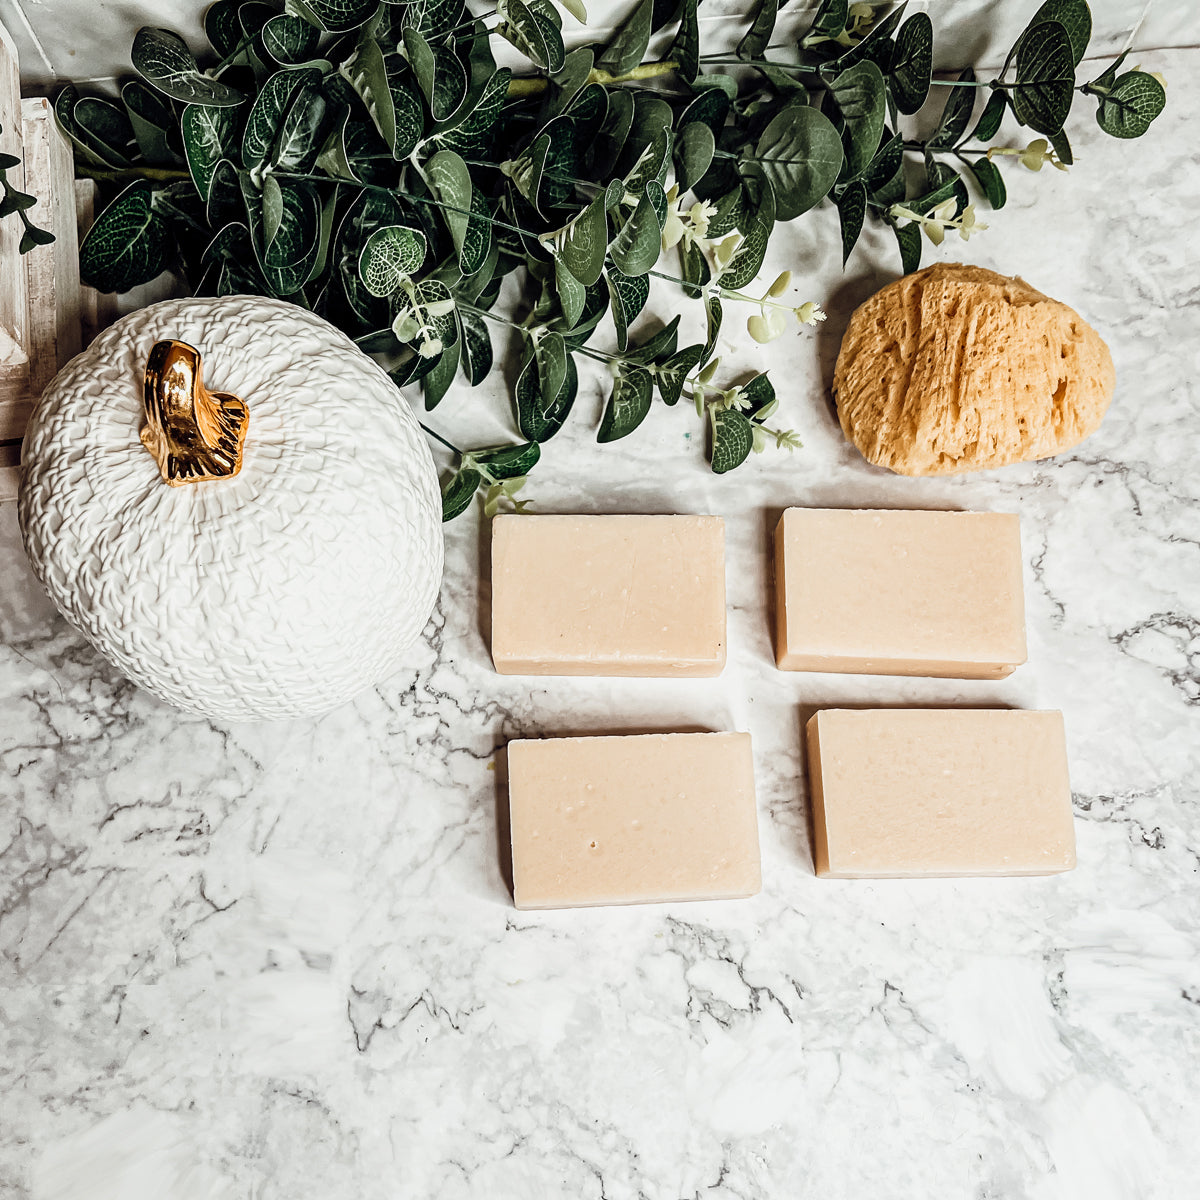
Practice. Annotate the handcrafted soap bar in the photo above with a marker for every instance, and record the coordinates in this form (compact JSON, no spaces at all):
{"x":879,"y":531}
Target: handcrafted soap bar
{"x":631,"y":820}
{"x":922,"y":792}
{"x":611,"y":595}
{"x":895,"y":592}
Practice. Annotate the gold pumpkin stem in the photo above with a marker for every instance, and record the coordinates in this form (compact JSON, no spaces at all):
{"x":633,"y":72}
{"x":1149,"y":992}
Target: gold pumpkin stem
{"x":194,"y":434}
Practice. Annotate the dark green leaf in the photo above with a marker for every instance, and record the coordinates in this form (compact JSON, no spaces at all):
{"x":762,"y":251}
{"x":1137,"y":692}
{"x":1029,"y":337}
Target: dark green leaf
{"x":714,"y":314}
{"x":660,"y":345}
{"x":672,"y":375}
{"x":163,"y":59}
{"x":956,"y":115}
{"x":208,"y":137}
{"x":413,"y":369}
{"x":912,"y":63}
{"x":711,"y":107}
{"x":509,"y":462}
{"x":1105,"y":81}
{"x":653,"y":162}
{"x":852,"y":209}
{"x":288,"y":237}
{"x":476,"y":348}
{"x":534,"y":35}
{"x":264,"y":125}
{"x":459,"y":492}
{"x":572,"y":295}
{"x":434,"y":18}
{"x":476,"y":124}
{"x":685,"y":49}
{"x":222,"y":27}
{"x":748,"y":258}
{"x":725,"y":84}
{"x":730,"y":209}
{"x":733,"y":439}
{"x":630,"y":400}
{"x":128,"y":244}
{"x":758,"y":38}
{"x":1127,"y":111}
{"x":584,"y":246}
{"x":860,"y":95}
{"x":540,"y":417}
{"x":1075,"y":17}
{"x":800,"y":154}
{"x":627,"y":47}
{"x":988,"y":176}
{"x":829,"y":22}
{"x":105,"y":127}
{"x":340,"y":16}
{"x":576,"y":68}
{"x":154,"y":123}
{"x":615,"y":131}
{"x":437,"y":383}
{"x":877,"y":46}
{"x":989,"y":120}
{"x":908,"y":237}
{"x":392,"y":253}
{"x":636,"y":247}
{"x":693,"y":154}
{"x":629,"y":296}
{"x":757,"y":394}
{"x":1062,"y":147}
{"x":1045,"y":84}
{"x":450,"y":181}
{"x":694,"y":269}
{"x":477,"y":241}
{"x":409,"y":121}
{"x":290,"y":40}
{"x":367,"y":75}
{"x":550,"y":354}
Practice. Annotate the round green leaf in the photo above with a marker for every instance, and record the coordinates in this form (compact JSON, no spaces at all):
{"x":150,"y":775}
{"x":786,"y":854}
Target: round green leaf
{"x":584,"y":245}
{"x":733,"y":439}
{"x":390,"y":256}
{"x":912,"y":63}
{"x":693,"y":153}
{"x":128,"y":244}
{"x":800,"y":155}
{"x":459,"y":492}
{"x":1135,"y":100}
{"x":1045,"y":83}
{"x":861,"y":96}
{"x":163,"y":59}
{"x":628,"y":405}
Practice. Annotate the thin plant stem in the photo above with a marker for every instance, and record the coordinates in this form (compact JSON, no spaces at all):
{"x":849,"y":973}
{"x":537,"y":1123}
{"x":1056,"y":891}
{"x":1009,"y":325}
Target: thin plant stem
{"x":438,"y":437}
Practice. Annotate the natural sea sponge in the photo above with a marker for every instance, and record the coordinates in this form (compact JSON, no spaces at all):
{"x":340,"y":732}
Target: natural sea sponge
{"x":956,"y":368}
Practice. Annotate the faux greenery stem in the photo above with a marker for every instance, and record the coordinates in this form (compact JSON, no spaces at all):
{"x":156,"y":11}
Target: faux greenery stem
{"x":535,"y":85}
{"x":437,"y":437}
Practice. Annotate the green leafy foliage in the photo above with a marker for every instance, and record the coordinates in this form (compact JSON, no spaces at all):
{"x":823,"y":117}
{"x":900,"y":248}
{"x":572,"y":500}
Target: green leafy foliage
{"x":368,"y":160}
{"x":13,"y":200}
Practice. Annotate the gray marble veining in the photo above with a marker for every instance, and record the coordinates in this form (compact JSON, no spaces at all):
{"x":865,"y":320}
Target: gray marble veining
{"x":282,"y":960}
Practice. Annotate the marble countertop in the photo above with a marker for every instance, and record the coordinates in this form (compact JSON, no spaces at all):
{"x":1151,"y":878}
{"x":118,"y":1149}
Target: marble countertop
{"x":281,"y":961}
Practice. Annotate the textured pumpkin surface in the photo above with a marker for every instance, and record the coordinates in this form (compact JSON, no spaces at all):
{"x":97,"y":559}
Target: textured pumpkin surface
{"x":280,"y":592}
{"x":956,"y":368}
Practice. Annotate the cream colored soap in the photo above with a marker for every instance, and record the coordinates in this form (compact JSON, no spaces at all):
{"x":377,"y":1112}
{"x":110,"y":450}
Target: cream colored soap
{"x":899,"y":592}
{"x":632,"y":820}
{"x":608,"y":595}
{"x":927,"y":792}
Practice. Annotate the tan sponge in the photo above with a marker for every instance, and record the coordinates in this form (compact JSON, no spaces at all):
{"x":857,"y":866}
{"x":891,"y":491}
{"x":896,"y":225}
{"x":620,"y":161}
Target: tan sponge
{"x":955,"y":368}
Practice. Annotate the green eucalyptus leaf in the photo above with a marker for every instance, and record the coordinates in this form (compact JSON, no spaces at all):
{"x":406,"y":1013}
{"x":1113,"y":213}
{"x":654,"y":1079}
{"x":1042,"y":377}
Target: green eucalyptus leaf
{"x":154,"y":123}
{"x":509,"y":462}
{"x":222,"y":27}
{"x":392,"y":254}
{"x":1108,"y":77}
{"x":628,"y":297}
{"x":672,"y":375}
{"x":436,"y":384}
{"x":627,"y":47}
{"x":694,"y":152}
{"x":988,"y":124}
{"x":540,"y":417}
{"x":434,"y":18}
{"x":889,"y":158}
{"x":340,"y":16}
{"x":367,"y":75}
{"x":912,"y":63}
{"x":990,"y":181}
{"x":828,"y":22}
{"x":852,"y":209}
{"x":685,"y":49}
{"x":290,"y":40}
{"x":476,"y":348}
{"x":717,"y":81}
{"x":290,"y":250}
{"x":729,"y":212}
{"x":476,"y":125}
{"x":267,"y":116}
{"x":758,"y":37}
{"x":129,"y":243}
{"x":733,"y":439}
{"x":534,"y":35}
{"x":908,"y":237}
{"x":450,"y":181}
{"x":714,"y":314}
{"x":800,"y":154}
{"x":1135,"y":100}
{"x":694,"y":269}
{"x":526,"y":169}
{"x":877,"y":46}
{"x":477,"y":241}
{"x":1062,"y":147}
{"x":614,"y":133}
{"x":573,"y":75}
{"x":367,"y":211}
{"x":660,"y":345}
{"x":572,"y":295}
{"x":409,"y":121}
{"x":1045,"y":83}
{"x":748,"y":258}
{"x":85,"y":145}
{"x":1075,"y":17}
{"x":585,"y":242}
{"x":459,"y":492}
{"x":105,"y":127}
{"x":711,"y":107}
{"x":956,"y":115}
{"x":550,"y":354}
{"x":757,"y":394}
{"x":224,"y":202}
{"x":162,"y":59}
{"x":636,"y":247}
{"x":860,"y":95}
{"x":633,"y":389}
{"x":653,"y":162}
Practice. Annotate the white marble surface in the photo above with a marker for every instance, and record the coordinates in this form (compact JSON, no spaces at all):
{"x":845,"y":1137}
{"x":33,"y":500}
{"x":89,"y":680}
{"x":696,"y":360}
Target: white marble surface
{"x":282,"y":961}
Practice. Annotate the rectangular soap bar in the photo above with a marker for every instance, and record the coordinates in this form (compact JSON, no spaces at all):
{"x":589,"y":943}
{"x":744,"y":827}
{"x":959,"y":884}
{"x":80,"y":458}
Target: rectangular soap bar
{"x":632,"y":820}
{"x":608,"y":595}
{"x":926,"y":792}
{"x":897,"y":592}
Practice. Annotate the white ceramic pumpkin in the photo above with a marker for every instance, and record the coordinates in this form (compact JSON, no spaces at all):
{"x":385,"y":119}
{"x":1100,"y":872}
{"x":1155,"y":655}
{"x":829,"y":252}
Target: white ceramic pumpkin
{"x":277,"y":592}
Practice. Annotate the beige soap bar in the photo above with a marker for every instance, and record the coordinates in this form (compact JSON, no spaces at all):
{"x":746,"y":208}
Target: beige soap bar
{"x":926,"y":792}
{"x":897,"y":592}
{"x":609,"y":595}
{"x":632,"y":820}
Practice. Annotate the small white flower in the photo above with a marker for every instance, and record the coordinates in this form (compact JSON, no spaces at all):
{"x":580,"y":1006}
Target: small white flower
{"x":967,"y":224}
{"x":429,"y":347}
{"x":809,"y":313}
